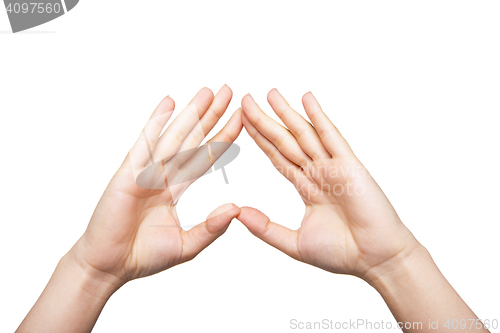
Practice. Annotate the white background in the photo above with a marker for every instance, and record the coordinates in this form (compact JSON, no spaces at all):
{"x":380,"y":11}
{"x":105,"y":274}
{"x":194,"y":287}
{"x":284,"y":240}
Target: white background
{"x":413,"y":86}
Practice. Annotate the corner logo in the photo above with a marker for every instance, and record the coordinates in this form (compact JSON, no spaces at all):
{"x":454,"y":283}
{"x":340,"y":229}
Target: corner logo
{"x":26,"y":14}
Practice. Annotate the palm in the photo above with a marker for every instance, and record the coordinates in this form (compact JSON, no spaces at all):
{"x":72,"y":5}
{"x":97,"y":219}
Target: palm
{"x":152,"y":221}
{"x":349,"y":225}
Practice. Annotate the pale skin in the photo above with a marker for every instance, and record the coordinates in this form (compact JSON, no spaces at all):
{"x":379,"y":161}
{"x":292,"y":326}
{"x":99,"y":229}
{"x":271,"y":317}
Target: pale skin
{"x":349,"y":226}
{"x":135,"y":232}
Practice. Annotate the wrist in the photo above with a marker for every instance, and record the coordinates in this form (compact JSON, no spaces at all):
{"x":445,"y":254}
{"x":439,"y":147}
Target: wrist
{"x":416,"y":291}
{"x":71,"y":301}
{"x":403,"y":268}
{"x":87,"y":279}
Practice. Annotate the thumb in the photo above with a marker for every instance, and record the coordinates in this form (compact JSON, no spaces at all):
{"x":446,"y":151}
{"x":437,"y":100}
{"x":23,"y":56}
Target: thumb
{"x":273,"y":234}
{"x":201,"y":236}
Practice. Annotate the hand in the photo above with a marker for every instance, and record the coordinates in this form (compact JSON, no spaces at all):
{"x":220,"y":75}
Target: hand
{"x":349,"y":225}
{"x":134,"y":231}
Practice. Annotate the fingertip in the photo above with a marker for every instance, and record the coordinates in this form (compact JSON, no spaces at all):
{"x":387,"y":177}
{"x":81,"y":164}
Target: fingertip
{"x":225,"y":93}
{"x":221,"y":217}
{"x":234,"y":126}
{"x":206,"y":92}
{"x":238,"y":113}
{"x":246,"y":99}
{"x":228,"y":208}
{"x":226,"y":87}
{"x":271,"y":93}
{"x":168,"y":103}
{"x":249,"y":105}
{"x":248,"y":213}
{"x":235,"y":210}
{"x":253,"y":219}
{"x":164,"y":108}
{"x":308,"y":96}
